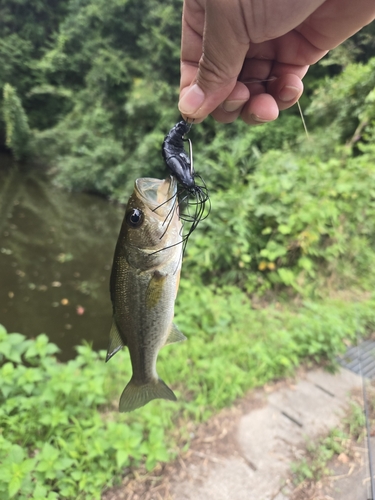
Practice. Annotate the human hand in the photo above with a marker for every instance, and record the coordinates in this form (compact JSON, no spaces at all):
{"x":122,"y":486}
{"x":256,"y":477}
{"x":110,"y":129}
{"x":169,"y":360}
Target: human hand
{"x":247,"y":57}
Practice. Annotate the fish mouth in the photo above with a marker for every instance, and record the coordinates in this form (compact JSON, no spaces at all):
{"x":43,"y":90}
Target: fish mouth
{"x":156,"y":192}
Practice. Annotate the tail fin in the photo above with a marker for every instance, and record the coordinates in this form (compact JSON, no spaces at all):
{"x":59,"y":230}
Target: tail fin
{"x":134,"y":396}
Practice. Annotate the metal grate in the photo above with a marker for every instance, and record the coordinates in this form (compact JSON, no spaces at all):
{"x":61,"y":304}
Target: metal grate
{"x":350,"y":359}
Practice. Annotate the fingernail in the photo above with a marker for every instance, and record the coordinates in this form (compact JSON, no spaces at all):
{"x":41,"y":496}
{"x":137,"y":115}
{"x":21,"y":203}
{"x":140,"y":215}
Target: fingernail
{"x":231,"y":106}
{"x":192,"y":100}
{"x":288,"y":93}
{"x":257,"y":118}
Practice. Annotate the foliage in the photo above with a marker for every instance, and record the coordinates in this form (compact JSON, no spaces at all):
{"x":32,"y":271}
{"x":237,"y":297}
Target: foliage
{"x":286,"y":209}
{"x":99,"y":83}
{"x":355,"y":421}
{"x":287,"y":212}
{"x":54,"y":442}
{"x":358,"y":48}
{"x":296,"y":221}
{"x":62,"y":438}
{"x":17,"y":127}
{"x":98,"y":103}
{"x":333,"y":107}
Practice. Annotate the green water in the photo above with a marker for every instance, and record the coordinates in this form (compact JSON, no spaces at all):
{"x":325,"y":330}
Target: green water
{"x":56,"y":252}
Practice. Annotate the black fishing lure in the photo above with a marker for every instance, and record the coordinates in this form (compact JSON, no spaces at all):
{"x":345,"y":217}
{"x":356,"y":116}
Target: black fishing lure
{"x":193,"y":200}
{"x":175,"y":156}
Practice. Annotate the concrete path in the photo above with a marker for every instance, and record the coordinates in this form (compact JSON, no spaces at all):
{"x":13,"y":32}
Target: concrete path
{"x":268,"y":439}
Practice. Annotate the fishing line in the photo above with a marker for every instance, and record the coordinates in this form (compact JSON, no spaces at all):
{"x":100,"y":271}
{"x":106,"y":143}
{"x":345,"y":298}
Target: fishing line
{"x":298,"y":104}
{"x":190,"y":155}
{"x":201,"y":198}
{"x":166,"y":248}
{"x":303,"y":119}
{"x":190,"y":125}
{"x":164,"y":203}
{"x":169,"y":215}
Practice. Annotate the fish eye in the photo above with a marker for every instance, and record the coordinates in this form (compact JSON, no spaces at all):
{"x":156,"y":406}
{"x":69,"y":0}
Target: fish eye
{"x":134,"y":218}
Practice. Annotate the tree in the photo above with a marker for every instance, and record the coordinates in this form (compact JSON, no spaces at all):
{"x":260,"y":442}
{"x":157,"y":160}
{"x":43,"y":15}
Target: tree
{"x":16,"y":123}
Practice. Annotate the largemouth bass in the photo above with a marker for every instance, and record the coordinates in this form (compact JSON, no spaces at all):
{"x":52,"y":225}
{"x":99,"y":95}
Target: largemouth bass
{"x":144,"y":283}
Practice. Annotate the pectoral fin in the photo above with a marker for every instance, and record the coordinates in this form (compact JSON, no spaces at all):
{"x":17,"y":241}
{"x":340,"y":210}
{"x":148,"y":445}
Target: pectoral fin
{"x":155,"y":289}
{"x":175,"y":335}
{"x":115,"y":341}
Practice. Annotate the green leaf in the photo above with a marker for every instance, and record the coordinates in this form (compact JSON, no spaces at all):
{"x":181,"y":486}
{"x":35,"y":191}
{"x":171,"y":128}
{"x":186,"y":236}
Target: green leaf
{"x":287,"y":276}
{"x":16,"y":454}
{"x":284,"y":229}
{"x":122,"y":458}
{"x":14,"y":486}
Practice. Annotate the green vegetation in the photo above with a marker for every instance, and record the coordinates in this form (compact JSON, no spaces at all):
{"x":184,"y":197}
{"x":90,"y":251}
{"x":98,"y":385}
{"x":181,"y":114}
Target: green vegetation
{"x":61,"y":435}
{"x":296,"y":221}
{"x":17,"y":127}
{"x":301,"y":214}
{"x":54,"y":443}
{"x":98,"y":82}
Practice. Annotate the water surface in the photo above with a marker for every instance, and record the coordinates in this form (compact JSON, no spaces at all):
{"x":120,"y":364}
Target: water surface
{"x":56,"y":252}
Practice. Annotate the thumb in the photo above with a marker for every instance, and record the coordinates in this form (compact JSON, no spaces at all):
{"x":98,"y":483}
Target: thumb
{"x":212,"y":61}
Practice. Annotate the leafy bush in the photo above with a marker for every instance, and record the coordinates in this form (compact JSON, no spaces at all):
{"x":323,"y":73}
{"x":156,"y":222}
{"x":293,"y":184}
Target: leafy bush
{"x":295,"y":221}
{"x":54,"y":441}
{"x":346,"y":101}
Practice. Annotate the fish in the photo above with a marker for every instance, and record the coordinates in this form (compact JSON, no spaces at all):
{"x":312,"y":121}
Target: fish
{"x":143,"y":287}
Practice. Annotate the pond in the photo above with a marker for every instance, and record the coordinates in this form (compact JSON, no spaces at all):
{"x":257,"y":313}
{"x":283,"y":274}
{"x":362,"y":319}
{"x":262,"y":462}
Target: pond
{"x":56,"y":251}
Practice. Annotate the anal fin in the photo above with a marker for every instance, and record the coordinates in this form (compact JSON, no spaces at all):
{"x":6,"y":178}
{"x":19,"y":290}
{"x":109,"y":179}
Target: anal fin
{"x":175,"y":335}
{"x":115,"y":341}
